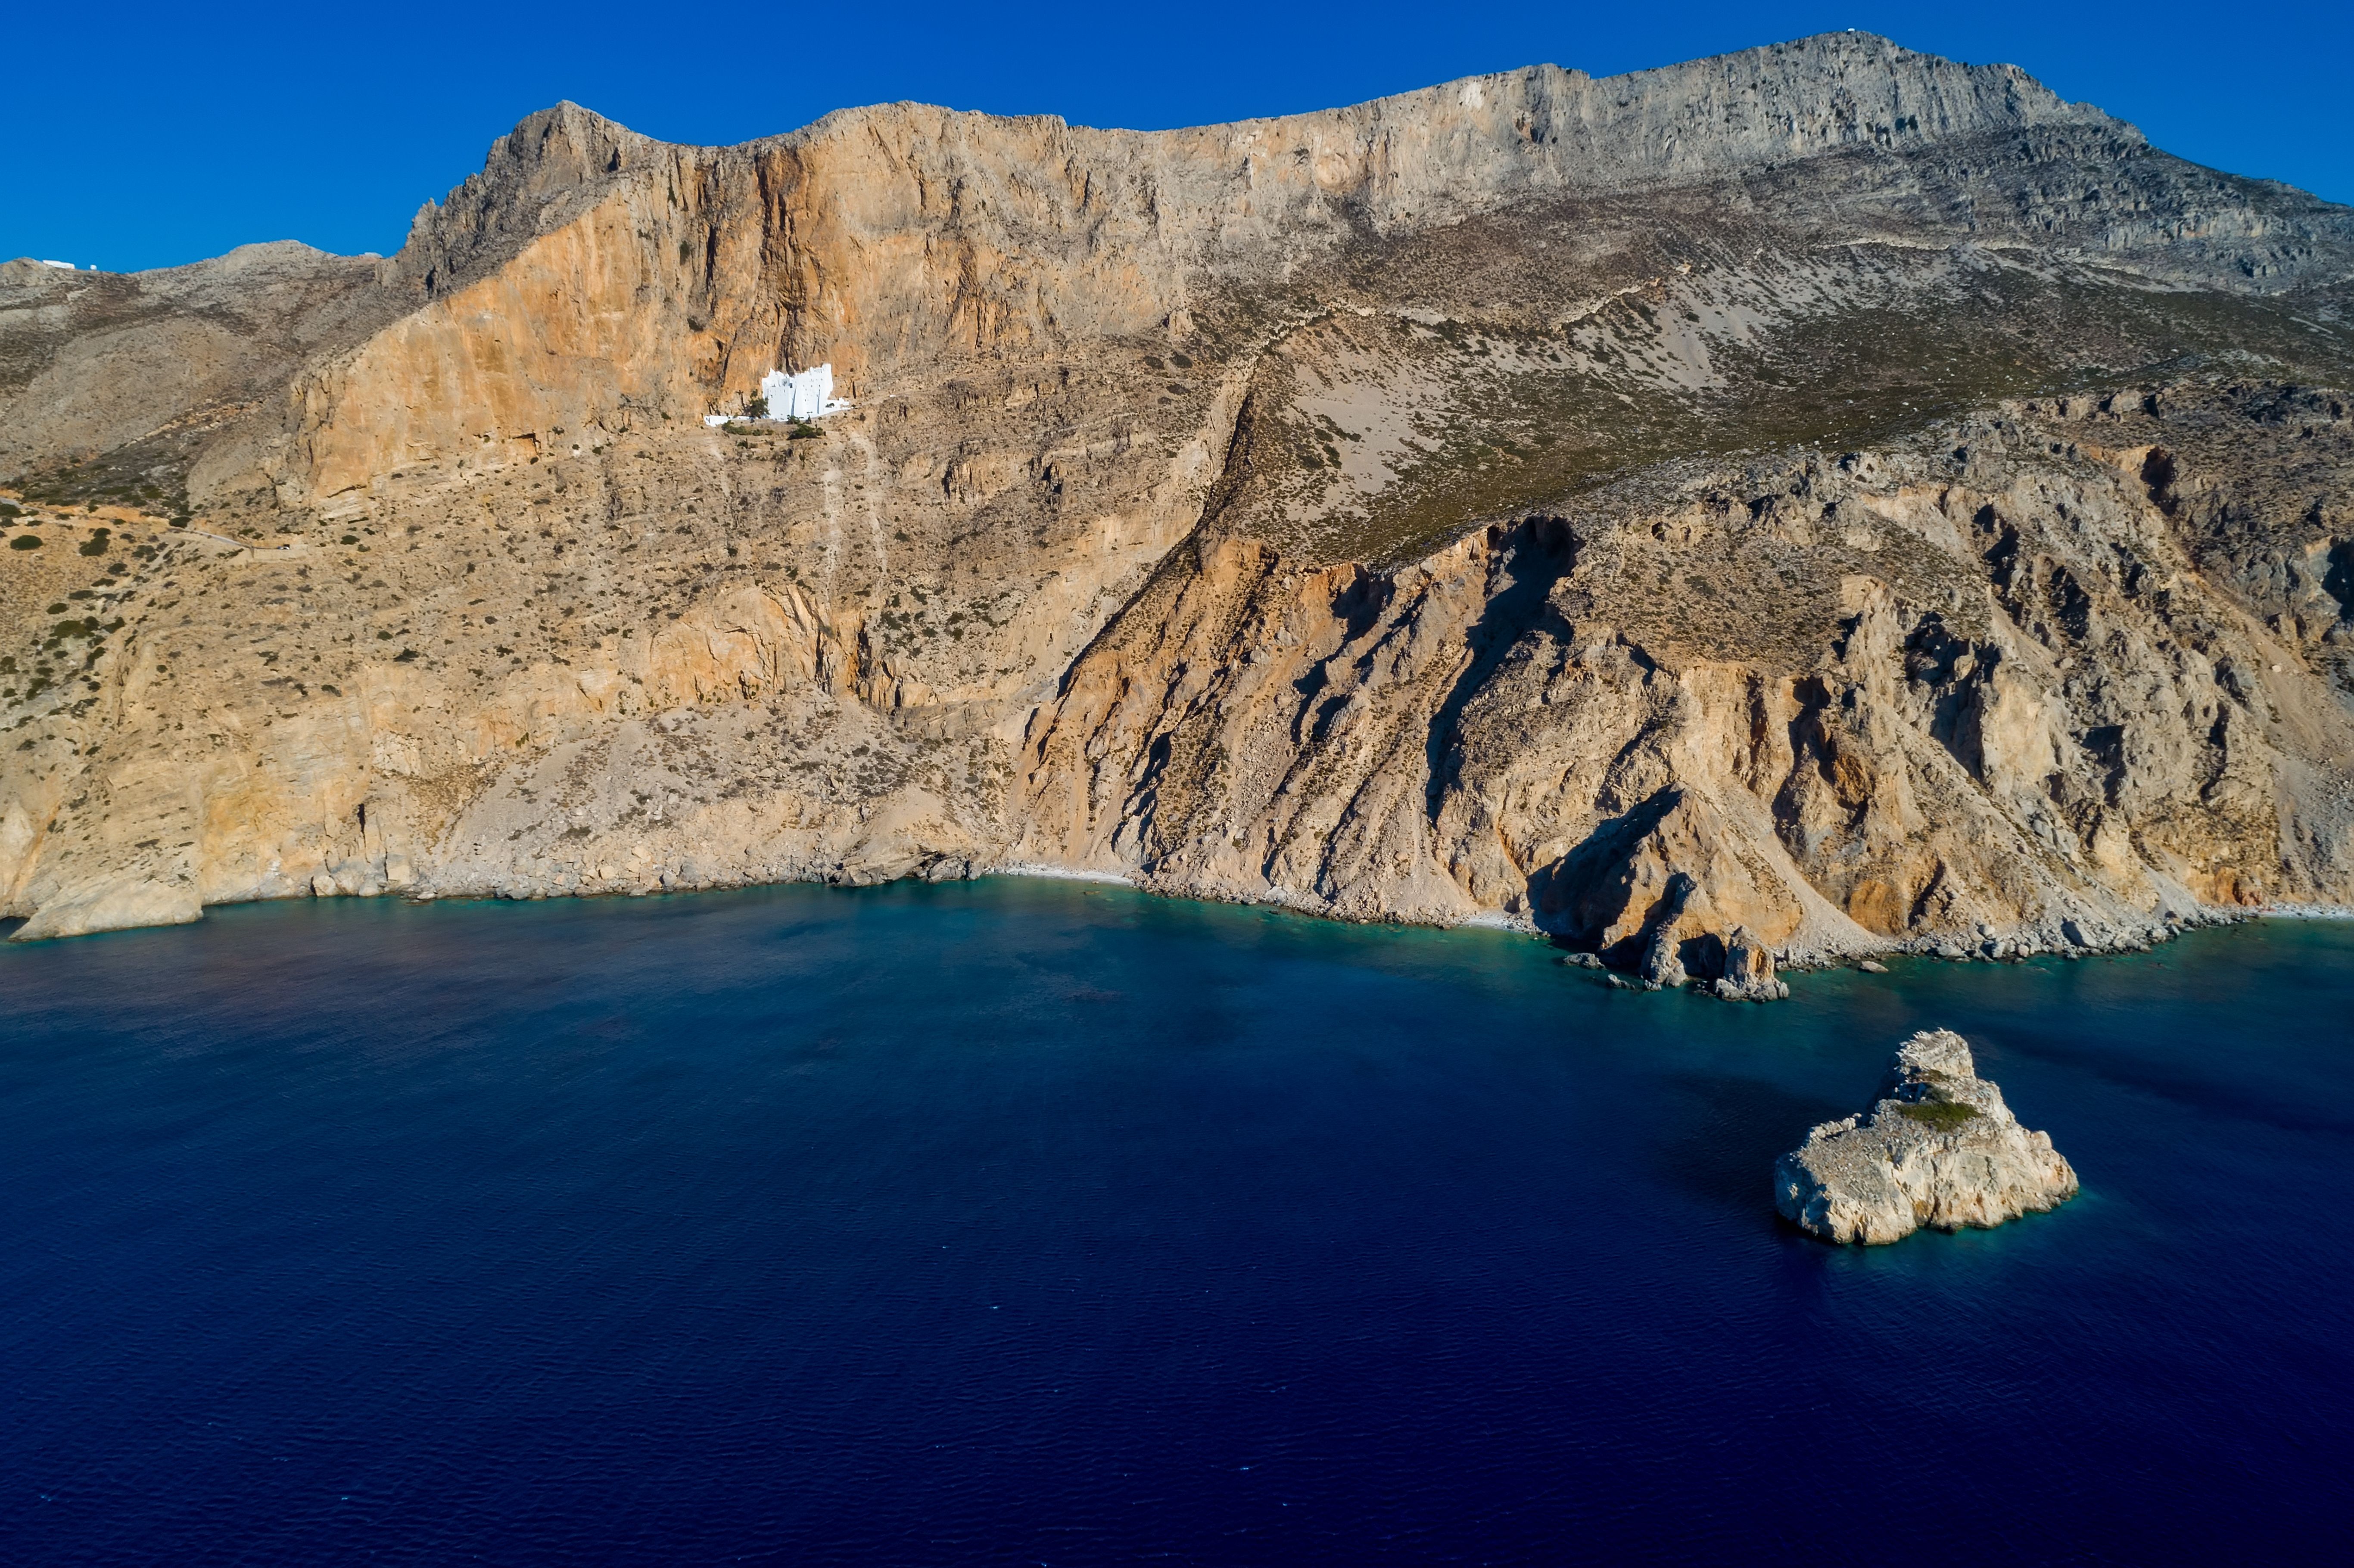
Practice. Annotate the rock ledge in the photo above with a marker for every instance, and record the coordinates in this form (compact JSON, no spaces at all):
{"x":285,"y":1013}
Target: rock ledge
{"x":1938,"y":1148}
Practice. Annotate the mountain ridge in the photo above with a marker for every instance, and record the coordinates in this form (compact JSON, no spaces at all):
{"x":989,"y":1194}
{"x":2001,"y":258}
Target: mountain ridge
{"x":1825,"y":492}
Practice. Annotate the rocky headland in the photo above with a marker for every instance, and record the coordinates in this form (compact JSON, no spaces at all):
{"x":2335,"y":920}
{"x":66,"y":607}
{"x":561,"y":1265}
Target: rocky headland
{"x":1938,"y":1148}
{"x":1818,"y":502}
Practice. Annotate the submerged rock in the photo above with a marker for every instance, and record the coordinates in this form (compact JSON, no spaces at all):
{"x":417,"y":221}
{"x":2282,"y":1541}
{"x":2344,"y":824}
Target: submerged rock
{"x":1938,"y":1148}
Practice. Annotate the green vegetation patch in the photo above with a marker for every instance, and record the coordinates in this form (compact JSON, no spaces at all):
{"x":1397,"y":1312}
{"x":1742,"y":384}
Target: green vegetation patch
{"x":1943,"y":1115}
{"x":26,"y":542}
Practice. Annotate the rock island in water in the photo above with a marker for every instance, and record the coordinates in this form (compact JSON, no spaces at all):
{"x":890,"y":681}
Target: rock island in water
{"x":1937,"y":1148}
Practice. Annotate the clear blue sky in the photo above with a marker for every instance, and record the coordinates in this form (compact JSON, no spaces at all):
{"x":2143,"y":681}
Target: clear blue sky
{"x":135,"y":135}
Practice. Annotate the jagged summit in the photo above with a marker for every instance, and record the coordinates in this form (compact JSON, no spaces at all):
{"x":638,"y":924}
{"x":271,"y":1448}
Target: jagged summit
{"x":1439,"y":151}
{"x":1887,"y":88}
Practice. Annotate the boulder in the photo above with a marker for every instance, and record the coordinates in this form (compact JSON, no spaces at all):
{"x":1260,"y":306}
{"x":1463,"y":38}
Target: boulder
{"x":1938,"y":1148}
{"x":115,"y":904}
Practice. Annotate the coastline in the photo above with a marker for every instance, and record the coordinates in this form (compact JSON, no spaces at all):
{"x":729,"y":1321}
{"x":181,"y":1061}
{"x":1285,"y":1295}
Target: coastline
{"x":2017,"y":946}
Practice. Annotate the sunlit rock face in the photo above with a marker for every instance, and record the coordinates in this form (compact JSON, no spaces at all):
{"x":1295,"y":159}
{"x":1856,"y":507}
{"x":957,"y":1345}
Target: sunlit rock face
{"x":1793,"y":497}
{"x":1937,"y":1149}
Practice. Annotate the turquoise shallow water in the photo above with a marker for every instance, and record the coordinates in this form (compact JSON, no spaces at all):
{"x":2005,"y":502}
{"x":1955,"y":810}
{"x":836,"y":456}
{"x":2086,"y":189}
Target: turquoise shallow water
{"x":1037,"y":1222}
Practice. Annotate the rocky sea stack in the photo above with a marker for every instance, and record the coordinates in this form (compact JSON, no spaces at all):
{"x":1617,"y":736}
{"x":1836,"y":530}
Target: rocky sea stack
{"x":1938,"y":1148}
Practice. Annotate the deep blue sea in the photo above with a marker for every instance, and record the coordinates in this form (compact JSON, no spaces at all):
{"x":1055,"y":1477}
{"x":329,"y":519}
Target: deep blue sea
{"x":1036,"y":1222}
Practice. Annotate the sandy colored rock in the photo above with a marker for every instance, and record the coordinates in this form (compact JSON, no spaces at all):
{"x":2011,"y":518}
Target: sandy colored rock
{"x":116,"y":904}
{"x":1749,"y":971}
{"x":1938,"y":1148}
{"x":1510,"y":501}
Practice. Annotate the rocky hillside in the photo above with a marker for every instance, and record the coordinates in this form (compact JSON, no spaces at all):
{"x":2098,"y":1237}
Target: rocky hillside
{"x":1826,"y":489}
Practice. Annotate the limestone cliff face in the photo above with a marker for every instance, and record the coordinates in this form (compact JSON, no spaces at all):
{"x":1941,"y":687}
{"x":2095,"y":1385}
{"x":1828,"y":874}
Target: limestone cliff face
{"x":1638,"y":508}
{"x":2025,"y":718}
{"x":590,"y":275}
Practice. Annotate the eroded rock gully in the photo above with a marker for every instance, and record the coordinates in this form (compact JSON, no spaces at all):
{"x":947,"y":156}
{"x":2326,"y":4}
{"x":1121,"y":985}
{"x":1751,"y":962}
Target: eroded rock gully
{"x":1478,"y":505}
{"x":2019,"y":719}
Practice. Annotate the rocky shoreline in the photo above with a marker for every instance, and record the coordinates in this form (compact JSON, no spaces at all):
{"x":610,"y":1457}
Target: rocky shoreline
{"x":1737,"y":967}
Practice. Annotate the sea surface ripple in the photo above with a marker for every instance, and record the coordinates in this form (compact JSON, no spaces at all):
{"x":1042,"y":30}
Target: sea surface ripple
{"x":1028,"y":1221}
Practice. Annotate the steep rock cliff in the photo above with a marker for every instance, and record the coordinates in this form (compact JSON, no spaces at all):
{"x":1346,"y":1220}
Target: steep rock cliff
{"x":2014,"y":712}
{"x":1825,"y":493}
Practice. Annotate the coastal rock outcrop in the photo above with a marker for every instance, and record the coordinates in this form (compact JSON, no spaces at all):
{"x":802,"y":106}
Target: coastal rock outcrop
{"x":1938,"y":1148}
{"x":1749,"y":970}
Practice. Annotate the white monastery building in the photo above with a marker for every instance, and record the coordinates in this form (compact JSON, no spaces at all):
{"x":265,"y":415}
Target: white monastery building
{"x":803,"y":394}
